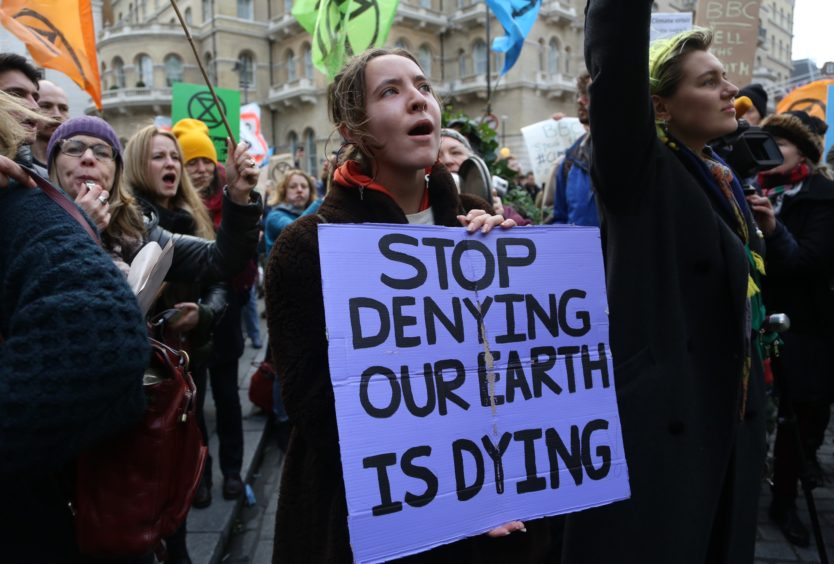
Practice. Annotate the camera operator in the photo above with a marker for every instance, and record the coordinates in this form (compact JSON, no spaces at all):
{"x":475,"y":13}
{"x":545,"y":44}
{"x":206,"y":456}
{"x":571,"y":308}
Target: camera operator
{"x":796,"y":214}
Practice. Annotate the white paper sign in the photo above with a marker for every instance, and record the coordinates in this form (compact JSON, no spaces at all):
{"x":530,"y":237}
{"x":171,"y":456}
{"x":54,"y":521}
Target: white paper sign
{"x":548,"y":140}
{"x":667,"y":24}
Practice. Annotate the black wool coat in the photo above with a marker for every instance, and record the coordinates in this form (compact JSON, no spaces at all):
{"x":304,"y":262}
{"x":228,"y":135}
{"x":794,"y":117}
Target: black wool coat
{"x":311,"y":524}
{"x":677,"y":282}
{"x":800,"y":270}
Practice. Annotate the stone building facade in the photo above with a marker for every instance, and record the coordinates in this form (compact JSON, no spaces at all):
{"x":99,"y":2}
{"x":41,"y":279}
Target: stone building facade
{"x":257,"y":47}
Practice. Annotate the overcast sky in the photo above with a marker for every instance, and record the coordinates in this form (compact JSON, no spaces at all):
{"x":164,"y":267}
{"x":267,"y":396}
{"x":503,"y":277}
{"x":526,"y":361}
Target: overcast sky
{"x":813,"y":30}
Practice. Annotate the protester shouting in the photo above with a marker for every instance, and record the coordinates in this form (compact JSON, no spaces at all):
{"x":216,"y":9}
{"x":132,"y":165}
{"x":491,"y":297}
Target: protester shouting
{"x":683,"y":258}
{"x":386,"y":109}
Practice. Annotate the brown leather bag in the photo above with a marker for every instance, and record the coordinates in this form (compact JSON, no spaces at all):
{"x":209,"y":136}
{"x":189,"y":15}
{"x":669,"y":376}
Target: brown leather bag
{"x":134,"y":489}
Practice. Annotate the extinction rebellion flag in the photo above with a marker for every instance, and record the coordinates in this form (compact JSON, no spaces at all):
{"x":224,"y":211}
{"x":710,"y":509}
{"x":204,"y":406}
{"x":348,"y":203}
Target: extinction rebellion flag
{"x":341,"y":28}
{"x":59,"y":35}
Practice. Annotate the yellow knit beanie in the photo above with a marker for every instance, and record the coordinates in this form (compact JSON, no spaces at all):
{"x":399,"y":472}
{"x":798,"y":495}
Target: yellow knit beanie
{"x":194,"y":139}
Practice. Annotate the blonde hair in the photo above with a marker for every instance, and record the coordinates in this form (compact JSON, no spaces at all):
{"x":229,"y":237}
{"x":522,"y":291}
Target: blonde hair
{"x":666,"y":57}
{"x":137,"y":176}
{"x":347,"y":106}
{"x":12,"y":133}
{"x":278,"y":196}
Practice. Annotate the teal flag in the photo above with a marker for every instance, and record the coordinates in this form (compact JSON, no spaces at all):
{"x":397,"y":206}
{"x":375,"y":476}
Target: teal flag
{"x":341,"y":28}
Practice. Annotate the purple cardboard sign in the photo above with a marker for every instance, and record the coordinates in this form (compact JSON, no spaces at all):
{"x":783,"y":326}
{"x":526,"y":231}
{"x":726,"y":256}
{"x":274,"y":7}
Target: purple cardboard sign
{"x":473,"y":380}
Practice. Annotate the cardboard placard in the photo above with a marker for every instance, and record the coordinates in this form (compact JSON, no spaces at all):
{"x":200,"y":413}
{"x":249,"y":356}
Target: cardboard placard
{"x":473,"y":380}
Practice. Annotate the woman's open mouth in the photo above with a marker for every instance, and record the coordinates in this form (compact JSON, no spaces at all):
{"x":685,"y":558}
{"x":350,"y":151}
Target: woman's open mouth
{"x":170,"y":179}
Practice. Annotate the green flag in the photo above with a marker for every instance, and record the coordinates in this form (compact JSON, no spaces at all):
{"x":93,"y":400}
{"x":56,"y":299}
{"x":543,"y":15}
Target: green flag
{"x":343,"y":27}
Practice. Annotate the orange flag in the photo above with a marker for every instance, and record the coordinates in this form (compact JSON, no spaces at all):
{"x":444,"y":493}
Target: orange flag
{"x":60,"y":35}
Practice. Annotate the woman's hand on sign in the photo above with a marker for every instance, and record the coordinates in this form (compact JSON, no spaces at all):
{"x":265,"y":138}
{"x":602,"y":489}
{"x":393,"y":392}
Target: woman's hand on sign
{"x":242,"y":172}
{"x":506,"y":529}
{"x":479,"y":219}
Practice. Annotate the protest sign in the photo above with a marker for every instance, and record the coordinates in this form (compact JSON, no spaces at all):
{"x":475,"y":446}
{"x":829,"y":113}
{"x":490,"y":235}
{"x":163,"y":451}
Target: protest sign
{"x":195,"y":101}
{"x":667,"y":24}
{"x":472,"y":377}
{"x":250,"y":131}
{"x":547,"y":141}
{"x":735,"y":24}
{"x":829,"y":135}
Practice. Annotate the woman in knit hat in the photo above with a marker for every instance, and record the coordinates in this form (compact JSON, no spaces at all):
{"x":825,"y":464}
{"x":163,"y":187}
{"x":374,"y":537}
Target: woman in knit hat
{"x":796,"y":213}
{"x":682,"y":262}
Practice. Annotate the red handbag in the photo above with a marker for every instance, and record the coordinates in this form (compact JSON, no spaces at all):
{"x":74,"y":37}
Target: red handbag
{"x":260,"y":386}
{"x":136,"y":488}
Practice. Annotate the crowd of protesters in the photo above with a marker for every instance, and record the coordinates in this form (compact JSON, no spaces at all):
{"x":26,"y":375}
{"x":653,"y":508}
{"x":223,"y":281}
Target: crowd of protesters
{"x":696,"y":259}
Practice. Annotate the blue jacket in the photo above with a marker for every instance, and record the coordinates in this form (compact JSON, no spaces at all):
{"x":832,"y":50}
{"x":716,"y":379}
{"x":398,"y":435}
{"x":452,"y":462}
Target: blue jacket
{"x":574,"y":202}
{"x":280,"y":216}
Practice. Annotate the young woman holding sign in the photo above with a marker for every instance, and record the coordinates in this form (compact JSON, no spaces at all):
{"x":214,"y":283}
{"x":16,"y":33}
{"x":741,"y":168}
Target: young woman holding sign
{"x":386,"y":110}
{"x":683,"y":258}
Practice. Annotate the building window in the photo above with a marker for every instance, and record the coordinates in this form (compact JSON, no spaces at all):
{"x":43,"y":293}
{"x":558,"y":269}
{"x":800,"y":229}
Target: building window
{"x":292,"y":73}
{"x":307,"y":59}
{"x":425,"y":59}
{"x":173,"y":70}
{"x":567,"y":60}
{"x":402,"y":44}
{"x":119,"y":72}
{"x":189,"y":19}
{"x":542,"y":56}
{"x":461,"y":63}
{"x":553,"y":57}
{"x":292,"y":141}
{"x":479,"y":56}
{"x":244,"y":9}
{"x":144,"y":71}
{"x":211,"y":70}
{"x":246,"y":70}
{"x":425,"y":4}
{"x":207,"y":10}
{"x":310,"y":150}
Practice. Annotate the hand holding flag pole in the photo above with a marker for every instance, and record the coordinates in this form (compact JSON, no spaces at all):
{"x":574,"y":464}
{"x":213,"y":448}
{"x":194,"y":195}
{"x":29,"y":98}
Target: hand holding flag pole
{"x":203,"y":71}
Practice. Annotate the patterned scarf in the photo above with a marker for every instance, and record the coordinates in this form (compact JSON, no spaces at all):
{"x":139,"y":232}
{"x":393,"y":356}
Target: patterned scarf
{"x":719,"y":177}
{"x":796,"y":175}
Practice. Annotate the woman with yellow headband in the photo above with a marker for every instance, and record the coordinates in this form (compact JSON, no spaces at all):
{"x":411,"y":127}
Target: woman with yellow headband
{"x":683,"y":260}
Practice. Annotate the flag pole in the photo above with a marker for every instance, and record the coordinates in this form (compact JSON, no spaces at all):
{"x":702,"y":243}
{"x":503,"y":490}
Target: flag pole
{"x":203,"y":71}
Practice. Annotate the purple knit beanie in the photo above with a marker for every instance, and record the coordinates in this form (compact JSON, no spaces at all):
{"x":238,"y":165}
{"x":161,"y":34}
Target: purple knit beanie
{"x":84,"y":125}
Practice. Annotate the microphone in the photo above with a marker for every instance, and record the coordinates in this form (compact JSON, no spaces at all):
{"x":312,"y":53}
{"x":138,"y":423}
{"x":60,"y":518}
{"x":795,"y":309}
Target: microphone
{"x":742,"y":104}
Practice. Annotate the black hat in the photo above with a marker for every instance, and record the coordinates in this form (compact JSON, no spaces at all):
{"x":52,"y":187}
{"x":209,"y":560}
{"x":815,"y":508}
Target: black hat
{"x":801,"y":129}
{"x":757,"y":95}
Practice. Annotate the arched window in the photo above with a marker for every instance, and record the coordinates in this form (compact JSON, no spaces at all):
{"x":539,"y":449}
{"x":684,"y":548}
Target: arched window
{"x":207,"y":10}
{"x":244,"y":9}
{"x":553,"y":56}
{"x":310,"y":151}
{"x":462,"y":70}
{"x":246,"y":69}
{"x":173,"y":70}
{"x":211,"y":70}
{"x":292,"y":141}
{"x":479,"y":56}
{"x":144,"y":71}
{"x":287,"y":7}
{"x":188,"y":17}
{"x":497,"y":61}
{"x":425,"y":59}
{"x":542,"y":56}
{"x":307,"y":60}
{"x":402,"y":44}
{"x":292,"y":73}
{"x":119,"y":72}
{"x":567,"y":60}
